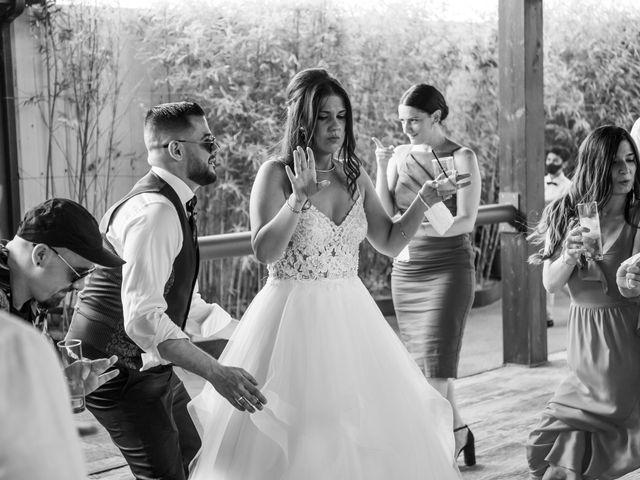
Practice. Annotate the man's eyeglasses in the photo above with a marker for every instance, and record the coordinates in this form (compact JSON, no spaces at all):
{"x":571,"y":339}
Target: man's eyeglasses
{"x":210,"y":145}
{"x":78,"y":275}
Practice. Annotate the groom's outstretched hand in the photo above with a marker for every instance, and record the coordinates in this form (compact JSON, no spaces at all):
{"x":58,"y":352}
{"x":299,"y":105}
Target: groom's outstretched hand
{"x":239,"y":388}
{"x":233,"y":383}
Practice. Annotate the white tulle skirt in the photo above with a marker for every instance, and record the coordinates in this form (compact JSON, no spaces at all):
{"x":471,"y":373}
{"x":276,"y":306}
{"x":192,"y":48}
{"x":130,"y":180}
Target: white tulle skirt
{"x":345,"y":399}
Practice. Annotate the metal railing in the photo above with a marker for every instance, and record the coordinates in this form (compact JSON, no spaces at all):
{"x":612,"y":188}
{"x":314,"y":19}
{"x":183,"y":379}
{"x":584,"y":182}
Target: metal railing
{"x":239,"y":244}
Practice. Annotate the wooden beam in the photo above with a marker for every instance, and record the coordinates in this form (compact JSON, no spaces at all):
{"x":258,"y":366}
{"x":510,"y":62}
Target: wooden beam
{"x":9,"y":189}
{"x":521,"y":161}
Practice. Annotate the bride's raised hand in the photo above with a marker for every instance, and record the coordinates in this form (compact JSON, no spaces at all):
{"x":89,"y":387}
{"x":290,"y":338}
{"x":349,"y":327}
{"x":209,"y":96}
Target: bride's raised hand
{"x":304,"y":182}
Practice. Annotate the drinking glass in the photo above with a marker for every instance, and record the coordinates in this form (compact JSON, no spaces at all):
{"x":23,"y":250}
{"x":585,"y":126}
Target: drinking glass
{"x":592,"y":240}
{"x":71,"y":356}
{"x":445,"y":165}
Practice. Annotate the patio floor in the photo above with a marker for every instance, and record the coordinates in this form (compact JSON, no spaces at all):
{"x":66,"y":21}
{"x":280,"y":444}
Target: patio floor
{"x":500,"y":403}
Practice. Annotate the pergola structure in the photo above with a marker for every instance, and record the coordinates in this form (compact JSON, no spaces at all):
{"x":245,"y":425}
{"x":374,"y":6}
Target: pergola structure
{"x":9,"y":194}
{"x":521,"y":133}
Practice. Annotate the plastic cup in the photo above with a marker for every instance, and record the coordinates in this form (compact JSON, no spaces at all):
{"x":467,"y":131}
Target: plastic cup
{"x":445,"y":165}
{"x":592,"y":240}
{"x":71,"y":356}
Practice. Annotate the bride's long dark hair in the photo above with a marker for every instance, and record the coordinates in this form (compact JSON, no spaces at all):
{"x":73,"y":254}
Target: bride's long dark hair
{"x":591,"y":183}
{"x":305,"y":94}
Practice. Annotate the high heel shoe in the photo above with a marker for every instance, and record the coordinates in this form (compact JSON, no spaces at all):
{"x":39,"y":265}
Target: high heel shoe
{"x":469,"y":447}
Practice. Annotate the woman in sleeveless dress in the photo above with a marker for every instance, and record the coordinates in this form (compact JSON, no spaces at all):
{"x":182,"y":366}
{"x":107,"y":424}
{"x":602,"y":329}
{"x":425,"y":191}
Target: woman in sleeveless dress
{"x":590,"y":428}
{"x":433,"y":281}
{"x":345,"y":401}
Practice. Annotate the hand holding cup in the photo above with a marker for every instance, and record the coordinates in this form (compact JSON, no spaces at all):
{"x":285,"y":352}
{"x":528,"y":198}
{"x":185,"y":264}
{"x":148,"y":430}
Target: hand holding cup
{"x":433,"y":191}
{"x":573,"y":245}
{"x":448,"y":183}
{"x":95,"y":373}
{"x":83,"y":375}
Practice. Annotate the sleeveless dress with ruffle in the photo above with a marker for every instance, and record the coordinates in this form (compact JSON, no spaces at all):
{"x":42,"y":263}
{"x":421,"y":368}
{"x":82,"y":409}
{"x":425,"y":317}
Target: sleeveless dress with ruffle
{"x":345,"y":399}
{"x":592,"y":423}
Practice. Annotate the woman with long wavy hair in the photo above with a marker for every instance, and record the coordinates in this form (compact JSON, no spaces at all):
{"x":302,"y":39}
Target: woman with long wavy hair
{"x":345,"y":399}
{"x":590,"y":428}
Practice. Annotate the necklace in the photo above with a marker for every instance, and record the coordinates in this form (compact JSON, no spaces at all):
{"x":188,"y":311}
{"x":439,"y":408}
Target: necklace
{"x":333,"y":167}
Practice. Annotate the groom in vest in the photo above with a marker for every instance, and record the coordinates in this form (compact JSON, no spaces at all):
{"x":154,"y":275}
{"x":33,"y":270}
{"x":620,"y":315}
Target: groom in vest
{"x":141,"y":311}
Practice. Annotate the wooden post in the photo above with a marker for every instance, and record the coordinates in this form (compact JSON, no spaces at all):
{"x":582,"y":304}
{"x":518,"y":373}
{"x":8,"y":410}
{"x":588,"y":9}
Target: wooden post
{"x":9,"y":192}
{"x":521,"y":160}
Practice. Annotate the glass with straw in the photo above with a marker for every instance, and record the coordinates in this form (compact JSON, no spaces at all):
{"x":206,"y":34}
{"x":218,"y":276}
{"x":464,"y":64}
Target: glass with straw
{"x":445,"y":166}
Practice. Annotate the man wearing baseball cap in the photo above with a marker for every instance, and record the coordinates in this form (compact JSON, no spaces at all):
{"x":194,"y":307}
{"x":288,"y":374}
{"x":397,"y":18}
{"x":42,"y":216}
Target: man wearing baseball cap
{"x":57,"y":244}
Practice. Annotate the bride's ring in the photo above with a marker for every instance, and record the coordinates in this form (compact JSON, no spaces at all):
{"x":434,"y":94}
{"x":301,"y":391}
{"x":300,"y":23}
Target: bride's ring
{"x":629,"y":286}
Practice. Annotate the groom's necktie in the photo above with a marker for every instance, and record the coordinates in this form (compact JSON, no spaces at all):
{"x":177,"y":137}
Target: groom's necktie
{"x":191,"y":214}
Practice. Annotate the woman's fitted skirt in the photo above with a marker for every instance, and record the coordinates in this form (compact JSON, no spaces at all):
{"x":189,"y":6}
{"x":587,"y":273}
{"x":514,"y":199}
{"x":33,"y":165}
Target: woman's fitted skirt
{"x":432,"y":295}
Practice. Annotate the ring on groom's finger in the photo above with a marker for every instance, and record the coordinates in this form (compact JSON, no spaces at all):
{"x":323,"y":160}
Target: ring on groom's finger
{"x":240,"y":398}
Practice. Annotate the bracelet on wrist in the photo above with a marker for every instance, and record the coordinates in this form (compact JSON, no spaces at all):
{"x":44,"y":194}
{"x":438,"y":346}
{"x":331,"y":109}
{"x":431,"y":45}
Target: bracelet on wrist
{"x":286,"y":202}
{"x":424,"y":202}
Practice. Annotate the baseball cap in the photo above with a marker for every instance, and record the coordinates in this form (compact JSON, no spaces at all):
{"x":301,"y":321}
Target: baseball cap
{"x":60,"y":222}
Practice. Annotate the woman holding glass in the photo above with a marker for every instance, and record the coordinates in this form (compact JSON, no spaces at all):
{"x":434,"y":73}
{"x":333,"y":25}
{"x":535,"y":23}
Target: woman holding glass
{"x":433,"y":280}
{"x":591,"y":426}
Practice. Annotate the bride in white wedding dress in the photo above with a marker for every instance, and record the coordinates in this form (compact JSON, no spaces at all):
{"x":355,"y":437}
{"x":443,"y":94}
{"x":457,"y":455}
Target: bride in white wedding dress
{"x":345,"y":401}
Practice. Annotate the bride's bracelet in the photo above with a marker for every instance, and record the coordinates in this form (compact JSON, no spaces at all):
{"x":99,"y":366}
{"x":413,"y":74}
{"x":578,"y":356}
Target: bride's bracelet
{"x":286,"y":202}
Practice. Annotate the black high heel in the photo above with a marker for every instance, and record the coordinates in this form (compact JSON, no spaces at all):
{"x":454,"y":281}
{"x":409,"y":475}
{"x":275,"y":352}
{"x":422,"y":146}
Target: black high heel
{"x":469,"y":448}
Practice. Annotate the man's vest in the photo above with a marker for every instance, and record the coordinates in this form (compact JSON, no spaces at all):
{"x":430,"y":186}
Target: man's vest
{"x":100,"y":301}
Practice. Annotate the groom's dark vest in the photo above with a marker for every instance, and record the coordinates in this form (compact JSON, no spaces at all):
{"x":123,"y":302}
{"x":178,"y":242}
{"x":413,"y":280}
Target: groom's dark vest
{"x":100,"y":301}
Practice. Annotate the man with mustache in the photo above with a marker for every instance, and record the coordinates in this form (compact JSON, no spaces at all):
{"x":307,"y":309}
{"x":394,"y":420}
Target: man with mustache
{"x":141,"y":311}
{"x":55,"y":248}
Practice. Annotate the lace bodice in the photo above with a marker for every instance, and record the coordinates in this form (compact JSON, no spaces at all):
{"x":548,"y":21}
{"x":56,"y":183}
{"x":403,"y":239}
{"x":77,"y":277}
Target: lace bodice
{"x":321,"y":249}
